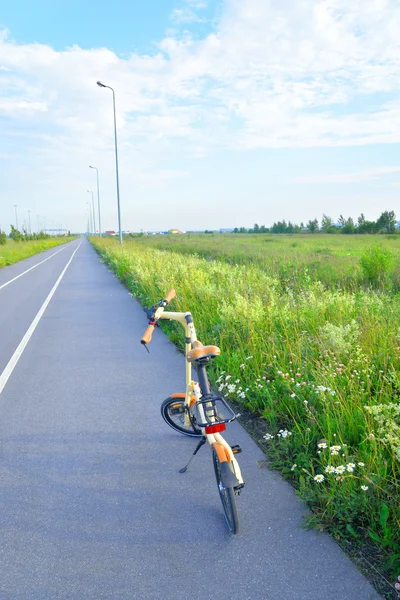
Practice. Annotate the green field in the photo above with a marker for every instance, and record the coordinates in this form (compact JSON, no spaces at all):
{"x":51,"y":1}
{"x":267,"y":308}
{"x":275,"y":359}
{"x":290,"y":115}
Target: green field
{"x":309,"y":328}
{"x":331,"y":259}
{"x":13,"y":252}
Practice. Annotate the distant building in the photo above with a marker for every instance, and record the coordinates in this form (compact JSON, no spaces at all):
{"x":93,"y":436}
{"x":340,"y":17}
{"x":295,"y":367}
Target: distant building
{"x":176,"y":231}
{"x":111,"y":232}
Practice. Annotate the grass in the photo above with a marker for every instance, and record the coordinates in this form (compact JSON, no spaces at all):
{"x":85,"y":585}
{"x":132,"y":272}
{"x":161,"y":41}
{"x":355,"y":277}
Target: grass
{"x":317,"y":364}
{"x":13,"y":252}
{"x":331,"y":259}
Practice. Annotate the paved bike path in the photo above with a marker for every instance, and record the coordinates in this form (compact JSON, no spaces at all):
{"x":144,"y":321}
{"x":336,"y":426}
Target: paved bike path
{"x":92,"y":504}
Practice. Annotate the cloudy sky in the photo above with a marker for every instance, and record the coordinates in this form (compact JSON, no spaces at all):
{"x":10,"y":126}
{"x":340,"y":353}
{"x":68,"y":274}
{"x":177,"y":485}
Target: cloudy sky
{"x":229,"y":112}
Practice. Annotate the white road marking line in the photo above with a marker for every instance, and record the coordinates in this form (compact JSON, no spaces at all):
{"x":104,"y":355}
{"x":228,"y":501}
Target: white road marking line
{"x":4,"y":377}
{"x":34,"y":267}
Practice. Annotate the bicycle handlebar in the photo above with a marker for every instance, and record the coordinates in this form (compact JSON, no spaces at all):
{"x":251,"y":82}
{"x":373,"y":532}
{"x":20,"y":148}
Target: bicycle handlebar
{"x":146,"y":339}
{"x":170,"y":296}
{"x":156,"y":312}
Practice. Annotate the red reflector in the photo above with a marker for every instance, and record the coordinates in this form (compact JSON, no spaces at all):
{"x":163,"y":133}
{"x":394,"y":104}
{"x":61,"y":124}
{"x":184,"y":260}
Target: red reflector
{"x":215,"y":428}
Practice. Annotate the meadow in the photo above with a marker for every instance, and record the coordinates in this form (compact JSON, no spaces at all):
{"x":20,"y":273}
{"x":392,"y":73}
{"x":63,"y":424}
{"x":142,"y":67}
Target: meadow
{"x":13,"y":252}
{"x":309,"y":328}
{"x":332,"y":259}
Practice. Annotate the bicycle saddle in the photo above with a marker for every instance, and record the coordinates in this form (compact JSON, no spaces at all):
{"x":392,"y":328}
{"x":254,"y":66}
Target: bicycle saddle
{"x":199,"y":351}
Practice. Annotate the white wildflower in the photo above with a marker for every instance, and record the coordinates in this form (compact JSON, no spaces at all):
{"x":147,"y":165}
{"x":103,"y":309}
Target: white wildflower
{"x":330,"y":469}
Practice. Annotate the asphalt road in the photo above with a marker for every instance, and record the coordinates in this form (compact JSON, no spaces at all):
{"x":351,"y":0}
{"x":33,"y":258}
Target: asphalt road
{"x":92,"y":504}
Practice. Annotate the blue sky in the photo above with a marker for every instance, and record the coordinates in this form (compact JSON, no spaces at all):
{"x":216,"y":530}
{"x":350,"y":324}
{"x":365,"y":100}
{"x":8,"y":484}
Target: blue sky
{"x":228,"y":112}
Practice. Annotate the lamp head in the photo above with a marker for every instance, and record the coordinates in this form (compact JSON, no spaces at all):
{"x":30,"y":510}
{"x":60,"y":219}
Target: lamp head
{"x":100,"y":84}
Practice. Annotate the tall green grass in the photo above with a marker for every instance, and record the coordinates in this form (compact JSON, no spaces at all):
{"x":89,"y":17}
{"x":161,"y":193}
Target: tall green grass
{"x":13,"y":252}
{"x":319,"y":365}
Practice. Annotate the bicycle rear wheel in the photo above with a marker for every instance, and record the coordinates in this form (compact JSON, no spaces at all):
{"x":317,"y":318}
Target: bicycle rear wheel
{"x":175,"y":414}
{"x":228,"y":497}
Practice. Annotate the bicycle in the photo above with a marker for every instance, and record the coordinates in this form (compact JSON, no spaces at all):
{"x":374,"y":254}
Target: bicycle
{"x":200,"y":413}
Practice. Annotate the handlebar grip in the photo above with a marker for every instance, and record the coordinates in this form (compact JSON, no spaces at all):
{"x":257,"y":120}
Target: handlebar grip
{"x":147,"y":335}
{"x":170,"y":296}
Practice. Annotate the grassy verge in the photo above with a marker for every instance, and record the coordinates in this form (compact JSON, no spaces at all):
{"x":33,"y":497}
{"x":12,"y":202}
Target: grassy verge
{"x":13,"y":252}
{"x":318,"y":367}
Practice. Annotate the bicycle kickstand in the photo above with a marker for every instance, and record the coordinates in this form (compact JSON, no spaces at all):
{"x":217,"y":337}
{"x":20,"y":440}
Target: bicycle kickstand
{"x":199,"y":445}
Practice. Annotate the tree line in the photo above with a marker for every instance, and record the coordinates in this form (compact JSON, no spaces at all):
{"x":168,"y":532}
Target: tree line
{"x":22,"y":236}
{"x":385,"y":224}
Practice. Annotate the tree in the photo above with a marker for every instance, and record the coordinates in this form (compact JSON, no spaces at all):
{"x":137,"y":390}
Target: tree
{"x":327,"y":225}
{"x":348,"y":226}
{"x":312,"y":226}
{"x":15,"y":234}
{"x":387,"y":222}
{"x":364,"y":226}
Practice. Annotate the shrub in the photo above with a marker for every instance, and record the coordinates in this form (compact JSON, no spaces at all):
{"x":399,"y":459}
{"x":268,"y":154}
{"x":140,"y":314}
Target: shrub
{"x":3,"y":238}
{"x":377,"y":265}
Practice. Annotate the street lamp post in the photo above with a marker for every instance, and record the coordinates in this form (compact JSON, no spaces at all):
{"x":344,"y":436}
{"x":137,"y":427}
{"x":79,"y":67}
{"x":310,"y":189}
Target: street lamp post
{"x":98,"y":196}
{"x":94,"y":218}
{"x":16,"y":216}
{"x":90,"y":218}
{"x":100,"y":84}
{"x":29,"y":221}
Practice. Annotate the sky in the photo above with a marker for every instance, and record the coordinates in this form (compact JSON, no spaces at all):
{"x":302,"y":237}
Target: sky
{"x":228,"y":113}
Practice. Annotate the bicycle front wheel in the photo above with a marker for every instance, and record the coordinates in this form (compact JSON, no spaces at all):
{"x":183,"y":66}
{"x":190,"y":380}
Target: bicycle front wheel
{"x":228,"y":497}
{"x":175,"y":414}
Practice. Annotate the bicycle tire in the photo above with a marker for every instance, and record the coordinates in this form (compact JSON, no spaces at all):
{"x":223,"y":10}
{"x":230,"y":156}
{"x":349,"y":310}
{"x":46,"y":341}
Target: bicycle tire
{"x":228,"y":497}
{"x":173,"y":412}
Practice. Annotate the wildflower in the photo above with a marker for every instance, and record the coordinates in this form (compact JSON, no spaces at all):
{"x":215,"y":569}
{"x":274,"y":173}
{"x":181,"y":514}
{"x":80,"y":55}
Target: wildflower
{"x":335,"y":448}
{"x":231,"y":388}
{"x":228,"y":377}
{"x":284,"y":433}
{"x":361,"y":464}
{"x":364,"y":488}
{"x":248,"y":357}
{"x":319,"y":478}
{"x":350,"y":467}
{"x":340,"y":469}
{"x":293,"y":467}
{"x":268,"y":436}
{"x":322,"y":445}
{"x":330,"y":469}
{"x":243,"y":366}
{"x":306,"y":402}
{"x":293,"y":395}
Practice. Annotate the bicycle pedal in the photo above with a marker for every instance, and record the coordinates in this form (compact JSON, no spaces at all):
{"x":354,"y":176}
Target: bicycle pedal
{"x":238,"y":488}
{"x":236,"y":449}
{"x":177,"y":409}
